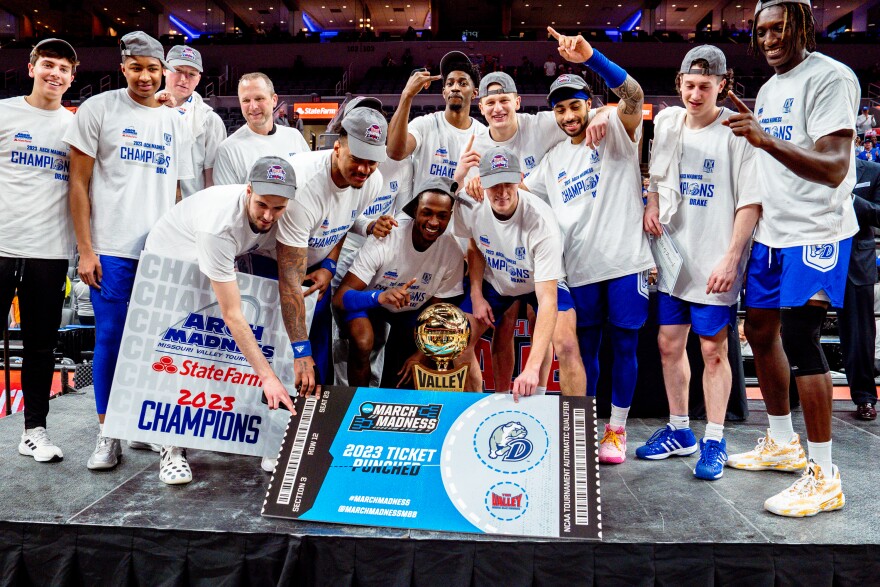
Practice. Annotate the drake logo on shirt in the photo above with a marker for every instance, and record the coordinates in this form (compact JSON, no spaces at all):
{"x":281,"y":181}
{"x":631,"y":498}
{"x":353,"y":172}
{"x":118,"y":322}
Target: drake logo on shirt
{"x":22,"y":137}
{"x":167,"y":138}
{"x":708,"y":165}
{"x":393,"y":185}
{"x":520,"y":253}
{"x":426,"y":278}
{"x":354,"y":214}
{"x":530,"y":162}
{"x":786,"y":106}
{"x":594,"y":157}
{"x":164,"y":160}
{"x":276,"y":172}
{"x":129,"y":132}
{"x":821,"y":257}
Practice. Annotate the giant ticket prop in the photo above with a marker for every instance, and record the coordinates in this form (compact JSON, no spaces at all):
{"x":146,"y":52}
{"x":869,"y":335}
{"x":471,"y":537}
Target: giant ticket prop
{"x":457,"y":462}
{"x":180,"y":378}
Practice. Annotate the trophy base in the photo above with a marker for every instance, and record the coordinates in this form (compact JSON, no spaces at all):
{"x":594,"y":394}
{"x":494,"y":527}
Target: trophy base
{"x":433,"y":380}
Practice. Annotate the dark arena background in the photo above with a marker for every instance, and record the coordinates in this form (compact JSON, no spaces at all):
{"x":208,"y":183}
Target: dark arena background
{"x":65,"y":525}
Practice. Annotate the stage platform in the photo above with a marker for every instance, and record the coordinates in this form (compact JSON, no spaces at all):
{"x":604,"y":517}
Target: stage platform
{"x":61,"y":524}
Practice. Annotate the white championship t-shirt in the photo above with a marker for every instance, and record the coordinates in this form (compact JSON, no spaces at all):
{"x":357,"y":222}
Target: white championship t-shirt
{"x":237,"y":154}
{"x":717,"y":178}
{"x":816,"y":98}
{"x":520,"y":251}
{"x":209,"y":131}
{"x":535,"y":135}
{"x":596,"y":196}
{"x":34,"y":169}
{"x":439,"y":144}
{"x":393,"y":261}
{"x":210,"y":228}
{"x":139,"y":153}
{"x":322,"y":213}
{"x":397,"y":190}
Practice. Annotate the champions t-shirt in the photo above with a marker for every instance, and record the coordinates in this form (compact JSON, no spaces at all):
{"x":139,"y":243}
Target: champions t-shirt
{"x":393,"y":261}
{"x":523,"y":250}
{"x":34,"y":169}
{"x":596,"y":196}
{"x":439,"y":144}
{"x":208,"y":131}
{"x":535,"y":135}
{"x":210,"y":228}
{"x":239,"y":152}
{"x":816,"y":98}
{"x":322,"y":213}
{"x":397,"y":188}
{"x":140,"y":153}
{"x":717,"y":178}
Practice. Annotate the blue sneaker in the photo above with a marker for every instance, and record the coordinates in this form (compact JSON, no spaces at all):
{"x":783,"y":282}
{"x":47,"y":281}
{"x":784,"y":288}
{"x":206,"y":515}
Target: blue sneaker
{"x":713,"y":455}
{"x":667,"y":442}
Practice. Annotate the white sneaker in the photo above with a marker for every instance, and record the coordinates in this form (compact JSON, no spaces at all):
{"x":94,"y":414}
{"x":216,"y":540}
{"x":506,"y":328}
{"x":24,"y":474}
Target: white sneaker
{"x":768,"y":455}
{"x":268,"y":464}
{"x":814,"y":492}
{"x":173,"y":466}
{"x":144,"y":446}
{"x":35,"y":443}
{"x":106,"y":455}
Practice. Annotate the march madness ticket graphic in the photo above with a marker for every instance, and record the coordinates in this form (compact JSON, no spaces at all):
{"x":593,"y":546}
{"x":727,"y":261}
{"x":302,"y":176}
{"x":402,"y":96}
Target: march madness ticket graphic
{"x":456,"y":462}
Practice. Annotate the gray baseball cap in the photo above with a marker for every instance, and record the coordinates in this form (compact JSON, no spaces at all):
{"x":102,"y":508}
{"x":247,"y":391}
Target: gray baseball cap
{"x":184,"y":55}
{"x":362,"y":101}
{"x":60,"y":46}
{"x":434,"y":183}
{"x":140,"y":44}
{"x":768,"y":3}
{"x":711,"y":54}
{"x":499,"y":165}
{"x":566,"y":83}
{"x":273,"y":176}
{"x":367,"y":132}
{"x":497,"y":77}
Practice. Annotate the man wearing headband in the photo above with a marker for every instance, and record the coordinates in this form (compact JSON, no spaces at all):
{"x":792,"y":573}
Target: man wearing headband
{"x":334,"y":187}
{"x":596,"y":195}
{"x":36,"y":235}
{"x":211,"y":228}
{"x":127,"y":154}
{"x":703,"y":197}
{"x":802,"y":129}
{"x":391,"y":279}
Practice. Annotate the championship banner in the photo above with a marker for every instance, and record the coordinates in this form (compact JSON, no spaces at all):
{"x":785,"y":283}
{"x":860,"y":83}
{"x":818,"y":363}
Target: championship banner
{"x":455,"y":462}
{"x":180,"y":378}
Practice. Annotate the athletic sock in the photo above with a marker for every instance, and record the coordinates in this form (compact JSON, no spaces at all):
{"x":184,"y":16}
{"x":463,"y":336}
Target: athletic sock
{"x":680,"y":422}
{"x":714,"y":431}
{"x":618,"y":417}
{"x":540,"y":390}
{"x":781,"y":429}
{"x":821,"y":453}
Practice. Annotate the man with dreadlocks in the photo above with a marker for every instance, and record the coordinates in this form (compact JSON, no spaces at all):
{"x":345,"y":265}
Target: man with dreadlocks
{"x":803,"y":128}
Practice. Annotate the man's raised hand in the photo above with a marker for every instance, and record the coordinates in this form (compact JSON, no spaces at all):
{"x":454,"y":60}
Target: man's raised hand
{"x":744,"y":124}
{"x":575,"y":49}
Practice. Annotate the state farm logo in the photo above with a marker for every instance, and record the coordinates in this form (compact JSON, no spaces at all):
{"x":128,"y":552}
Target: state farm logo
{"x":209,"y":371}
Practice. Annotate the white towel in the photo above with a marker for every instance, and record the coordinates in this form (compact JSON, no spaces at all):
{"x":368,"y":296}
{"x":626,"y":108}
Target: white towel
{"x":665,"y":159}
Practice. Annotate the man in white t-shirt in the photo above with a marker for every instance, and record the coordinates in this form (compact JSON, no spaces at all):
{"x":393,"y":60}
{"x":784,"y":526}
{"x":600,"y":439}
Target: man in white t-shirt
{"x":436,"y":140}
{"x":549,"y":68}
{"x":595,"y":192}
{"x":212,"y":228}
{"x":36,"y":235}
{"x":333,"y":189}
{"x":127,"y":154}
{"x":393,"y":278}
{"x":865,"y":121}
{"x":704,"y":198}
{"x":206,"y":126}
{"x":514,"y":254}
{"x":260,"y":136}
{"x":529,"y":137}
{"x":802,"y":129}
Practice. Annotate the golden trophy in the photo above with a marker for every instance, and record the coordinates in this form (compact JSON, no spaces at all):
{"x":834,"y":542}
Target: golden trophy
{"x":442,"y":333}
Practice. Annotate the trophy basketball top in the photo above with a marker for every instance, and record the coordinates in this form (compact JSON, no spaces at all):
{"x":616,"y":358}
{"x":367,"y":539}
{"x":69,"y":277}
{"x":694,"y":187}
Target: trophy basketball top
{"x":442,"y":332}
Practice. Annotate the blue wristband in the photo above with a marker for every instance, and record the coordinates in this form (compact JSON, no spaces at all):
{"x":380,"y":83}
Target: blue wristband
{"x":330,"y":265}
{"x":301,"y":349}
{"x":355,"y":300}
{"x":613,"y":74}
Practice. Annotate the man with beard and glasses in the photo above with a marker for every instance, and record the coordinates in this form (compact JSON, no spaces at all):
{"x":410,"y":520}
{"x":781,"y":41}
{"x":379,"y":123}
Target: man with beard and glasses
{"x":211,"y":228}
{"x":802,"y":130}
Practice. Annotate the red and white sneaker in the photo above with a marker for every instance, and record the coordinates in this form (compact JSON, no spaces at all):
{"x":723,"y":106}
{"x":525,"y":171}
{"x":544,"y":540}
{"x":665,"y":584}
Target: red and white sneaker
{"x":612,"y":448}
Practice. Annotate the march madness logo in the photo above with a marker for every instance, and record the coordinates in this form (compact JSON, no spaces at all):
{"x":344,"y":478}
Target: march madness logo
{"x":129,"y":132}
{"x":275,"y":173}
{"x":22,"y":137}
{"x":389,"y":417}
{"x":201,"y":335}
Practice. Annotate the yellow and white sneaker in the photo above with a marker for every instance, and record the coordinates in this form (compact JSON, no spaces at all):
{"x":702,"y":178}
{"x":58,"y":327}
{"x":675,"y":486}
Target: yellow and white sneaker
{"x":768,"y":455}
{"x":814,"y":492}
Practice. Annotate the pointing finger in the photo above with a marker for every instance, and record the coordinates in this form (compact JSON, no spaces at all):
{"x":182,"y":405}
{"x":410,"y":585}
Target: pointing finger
{"x":553,"y":32}
{"x":409,"y":284}
{"x":740,"y":105}
{"x":470,"y":144}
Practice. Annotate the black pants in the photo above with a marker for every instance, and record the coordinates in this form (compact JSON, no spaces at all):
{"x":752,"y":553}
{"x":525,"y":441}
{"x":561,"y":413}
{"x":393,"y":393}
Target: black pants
{"x":857,"y":332}
{"x":40,"y":286}
{"x":399,"y":345}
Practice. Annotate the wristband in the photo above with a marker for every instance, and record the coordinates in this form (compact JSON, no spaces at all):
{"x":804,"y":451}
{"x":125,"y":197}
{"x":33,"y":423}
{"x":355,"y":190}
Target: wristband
{"x":354,"y":300}
{"x":301,"y":349}
{"x":330,"y":265}
{"x":613,"y":74}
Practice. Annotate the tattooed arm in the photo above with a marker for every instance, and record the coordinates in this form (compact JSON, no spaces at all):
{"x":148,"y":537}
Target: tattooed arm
{"x":630,"y":107}
{"x":291,"y":272}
